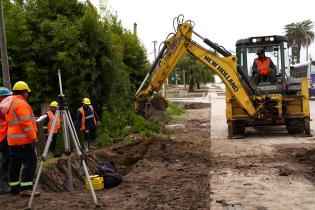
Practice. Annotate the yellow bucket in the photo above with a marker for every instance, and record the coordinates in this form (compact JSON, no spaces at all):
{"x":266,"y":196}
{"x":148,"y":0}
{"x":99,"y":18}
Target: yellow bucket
{"x":97,"y":182}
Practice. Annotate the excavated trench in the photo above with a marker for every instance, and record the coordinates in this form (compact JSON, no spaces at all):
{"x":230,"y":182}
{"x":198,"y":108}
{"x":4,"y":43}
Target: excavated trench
{"x":124,"y":156}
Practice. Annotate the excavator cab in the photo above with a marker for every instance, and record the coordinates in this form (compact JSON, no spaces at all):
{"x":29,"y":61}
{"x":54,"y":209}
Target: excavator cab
{"x":276,"y":48}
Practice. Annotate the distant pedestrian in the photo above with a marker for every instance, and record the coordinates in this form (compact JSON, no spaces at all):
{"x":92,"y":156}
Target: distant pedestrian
{"x":4,"y":148}
{"x":47,"y":125}
{"x":21,"y":136}
{"x":87,"y":120}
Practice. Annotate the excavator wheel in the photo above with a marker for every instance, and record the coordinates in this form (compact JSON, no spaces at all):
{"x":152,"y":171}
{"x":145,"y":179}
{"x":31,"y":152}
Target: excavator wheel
{"x":236,"y":129}
{"x":295,"y":125}
{"x":307,"y":127}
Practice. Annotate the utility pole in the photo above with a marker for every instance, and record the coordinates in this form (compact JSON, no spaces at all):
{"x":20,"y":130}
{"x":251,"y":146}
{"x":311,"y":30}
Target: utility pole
{"x":176,"y":76}
{"x":4,"y":55}
{"x":135,"y":29}
{"x":184,"y":78}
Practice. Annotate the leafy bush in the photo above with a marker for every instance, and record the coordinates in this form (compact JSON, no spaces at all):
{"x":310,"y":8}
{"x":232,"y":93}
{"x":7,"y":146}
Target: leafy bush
{"x":116,"y":126}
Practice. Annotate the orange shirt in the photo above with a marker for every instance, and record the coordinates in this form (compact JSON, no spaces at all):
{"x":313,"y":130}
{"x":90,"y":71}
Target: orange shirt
{"x":51,"y":117}
{"x":263,"y":66}
{"x":21,"y":121}
{"x":3,"y":127}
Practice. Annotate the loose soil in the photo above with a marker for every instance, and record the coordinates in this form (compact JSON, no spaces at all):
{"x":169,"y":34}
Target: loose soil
{"x":157,"y":173}
{"x":268,"y":170}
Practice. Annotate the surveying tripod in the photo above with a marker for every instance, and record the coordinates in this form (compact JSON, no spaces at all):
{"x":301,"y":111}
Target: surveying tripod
{"x":67,"y":125}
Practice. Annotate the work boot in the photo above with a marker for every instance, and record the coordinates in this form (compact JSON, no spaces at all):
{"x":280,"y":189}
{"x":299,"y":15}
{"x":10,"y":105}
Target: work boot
{"x":15,"y":190}
{"x":86,"y":147}
{"x":28,"y":193}
{"x":92,"y":146}
{"x":5,"y":190}
{"x":4,"y":184}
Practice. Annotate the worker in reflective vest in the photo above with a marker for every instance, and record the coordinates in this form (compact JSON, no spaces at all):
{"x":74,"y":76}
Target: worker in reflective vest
{"x":21,"y":136}
{"x":4,"y":148}
{"x":264,"y":69}
{"x":47,"y":125}
{"x":87,"y":120}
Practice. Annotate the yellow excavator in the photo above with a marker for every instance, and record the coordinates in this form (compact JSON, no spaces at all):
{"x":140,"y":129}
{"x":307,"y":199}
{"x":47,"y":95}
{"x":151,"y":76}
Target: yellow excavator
{"x":284,"y":102}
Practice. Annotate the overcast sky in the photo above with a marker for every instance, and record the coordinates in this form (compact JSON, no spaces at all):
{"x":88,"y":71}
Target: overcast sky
{"x":221,"y":21}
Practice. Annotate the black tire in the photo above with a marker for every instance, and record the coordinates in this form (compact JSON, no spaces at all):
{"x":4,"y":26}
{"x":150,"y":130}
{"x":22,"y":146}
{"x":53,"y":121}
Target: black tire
{"x":295,"y":125}
{"x":307,"y":126}
{"x":236,"y":129}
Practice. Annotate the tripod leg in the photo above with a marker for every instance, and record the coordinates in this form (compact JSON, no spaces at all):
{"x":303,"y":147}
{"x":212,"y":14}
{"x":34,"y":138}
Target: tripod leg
{"x":44,"y":155}
{"x":67,"y":149}
{"x":77,"y":147}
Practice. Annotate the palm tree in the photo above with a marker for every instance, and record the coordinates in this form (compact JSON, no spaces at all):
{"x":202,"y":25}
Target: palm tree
{"x":300,"y":34}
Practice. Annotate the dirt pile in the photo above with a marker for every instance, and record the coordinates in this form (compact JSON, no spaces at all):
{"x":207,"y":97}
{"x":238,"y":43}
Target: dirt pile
{"x":305,"y":156}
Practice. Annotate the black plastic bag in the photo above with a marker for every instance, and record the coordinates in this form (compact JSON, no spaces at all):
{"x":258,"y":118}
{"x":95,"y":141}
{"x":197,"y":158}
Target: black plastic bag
{"x":111,"y":177}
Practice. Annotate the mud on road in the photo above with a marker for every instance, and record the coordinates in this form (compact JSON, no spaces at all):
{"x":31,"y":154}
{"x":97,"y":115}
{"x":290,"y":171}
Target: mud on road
{"x":157,"y":173}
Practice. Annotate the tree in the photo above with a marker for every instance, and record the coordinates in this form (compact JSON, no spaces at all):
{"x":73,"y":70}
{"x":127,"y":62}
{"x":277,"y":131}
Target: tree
{"x":300,"y":34}
{"x":97,"y":57}
{"x":197,"y":72}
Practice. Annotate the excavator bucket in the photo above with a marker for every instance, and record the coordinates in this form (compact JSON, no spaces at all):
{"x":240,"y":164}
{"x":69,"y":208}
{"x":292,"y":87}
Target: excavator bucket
{"x":154,"y":108}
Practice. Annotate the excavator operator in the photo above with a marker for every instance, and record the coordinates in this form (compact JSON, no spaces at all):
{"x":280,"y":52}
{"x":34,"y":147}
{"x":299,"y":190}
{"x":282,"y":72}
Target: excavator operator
{"x":264,"y":70}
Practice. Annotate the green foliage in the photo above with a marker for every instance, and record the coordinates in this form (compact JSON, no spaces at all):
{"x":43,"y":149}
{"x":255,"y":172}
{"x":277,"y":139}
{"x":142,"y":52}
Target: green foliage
{"x":97,"y":57}
{"x":172,"y":111}
{"x":300,"y":34}
{"x":117,"y":126}
{"x":195,"y":71}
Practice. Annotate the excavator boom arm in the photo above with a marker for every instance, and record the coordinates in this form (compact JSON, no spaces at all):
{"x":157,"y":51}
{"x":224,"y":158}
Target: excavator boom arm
{"x":225,"y":67}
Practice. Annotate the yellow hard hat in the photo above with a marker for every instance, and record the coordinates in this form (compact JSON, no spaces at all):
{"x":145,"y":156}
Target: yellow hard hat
{"x":54,"y":104}
{"x":20,"y":85}
{"x":86,"y":101}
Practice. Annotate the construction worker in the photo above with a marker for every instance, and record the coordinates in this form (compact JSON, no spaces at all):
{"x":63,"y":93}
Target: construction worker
{"x":47,"y":124}
{"x":263,"y":68}
{"x":20,"y":136}
{"x":87,"y":121}
{"x":4,"y":148}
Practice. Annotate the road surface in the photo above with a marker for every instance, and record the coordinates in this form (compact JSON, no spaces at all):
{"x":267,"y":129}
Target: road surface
{"x":260,"y":171}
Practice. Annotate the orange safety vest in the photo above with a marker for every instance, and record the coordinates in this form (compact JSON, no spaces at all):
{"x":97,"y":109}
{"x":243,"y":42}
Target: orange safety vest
{"x":86,"y":117}
{"x":51,"y":117}
{"x":3,"y":129}
{"x":263,"y":66}
{"x":21,"y":122}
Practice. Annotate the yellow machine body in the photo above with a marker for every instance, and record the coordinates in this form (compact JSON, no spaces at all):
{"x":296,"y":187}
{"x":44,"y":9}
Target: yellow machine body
{"x":246,"y":104}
